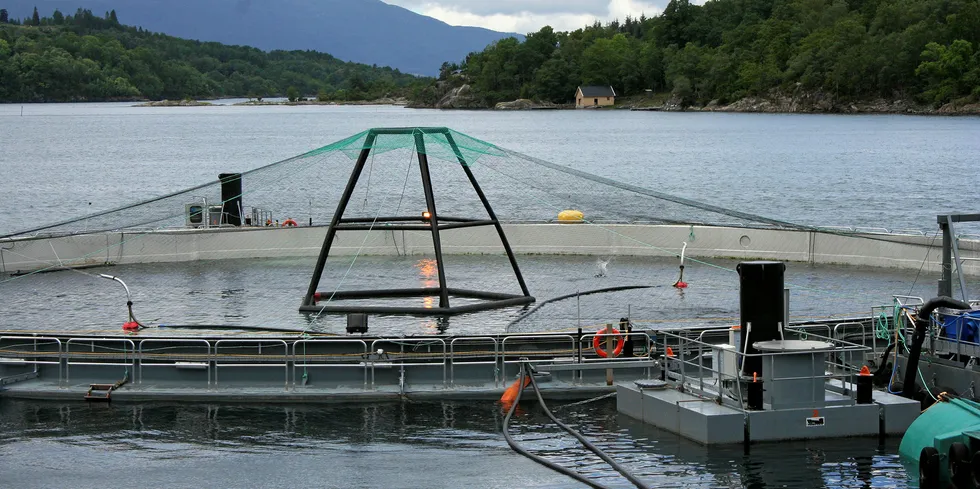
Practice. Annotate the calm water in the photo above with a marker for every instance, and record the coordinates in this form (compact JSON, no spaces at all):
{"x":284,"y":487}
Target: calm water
{"x":64,"y":160}
{"x":395,"y":445}
{"x":268,"y":292}
{"x":896,"y":172}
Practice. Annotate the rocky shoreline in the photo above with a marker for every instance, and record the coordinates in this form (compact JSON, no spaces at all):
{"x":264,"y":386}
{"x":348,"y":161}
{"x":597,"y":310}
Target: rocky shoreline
{"x":174,"y":103}
{"x":816,"y":104}
{"x":399,"y":101}
{"x":463,"y":97}
{"x":198,"y":103}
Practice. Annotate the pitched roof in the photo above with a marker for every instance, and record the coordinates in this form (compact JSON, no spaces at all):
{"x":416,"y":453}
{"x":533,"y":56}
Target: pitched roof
{"x":597,"y":91}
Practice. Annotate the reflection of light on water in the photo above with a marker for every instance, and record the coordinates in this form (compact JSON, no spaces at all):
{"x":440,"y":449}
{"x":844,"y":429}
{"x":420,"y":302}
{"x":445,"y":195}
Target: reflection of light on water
{"x":428,"y":267}
{"x":438,"y":325}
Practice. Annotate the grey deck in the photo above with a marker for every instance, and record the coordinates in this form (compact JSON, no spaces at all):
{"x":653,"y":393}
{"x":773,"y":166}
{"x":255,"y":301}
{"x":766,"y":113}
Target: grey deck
{"x":705,"y":421}
{"x":47,"y":390}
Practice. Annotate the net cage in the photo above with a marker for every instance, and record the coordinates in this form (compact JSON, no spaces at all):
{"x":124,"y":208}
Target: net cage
{"x":392,"y":182}
{"x":307,"y":188}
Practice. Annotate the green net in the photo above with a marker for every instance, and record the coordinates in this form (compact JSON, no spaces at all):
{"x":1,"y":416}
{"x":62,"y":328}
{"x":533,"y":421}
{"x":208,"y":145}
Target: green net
{"x":435,"y":142}
{"x":305,"y":191}
{"x":307,"y":187}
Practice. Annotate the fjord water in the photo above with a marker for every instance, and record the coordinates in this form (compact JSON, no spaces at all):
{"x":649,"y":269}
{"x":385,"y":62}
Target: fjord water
{"x":59,"y":161}
{"x":886,"y":171}
{"x":395,"y":445}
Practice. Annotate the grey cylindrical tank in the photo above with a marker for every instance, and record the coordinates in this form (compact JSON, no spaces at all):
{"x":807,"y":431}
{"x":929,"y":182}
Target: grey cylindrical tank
{"x":761,"y":304}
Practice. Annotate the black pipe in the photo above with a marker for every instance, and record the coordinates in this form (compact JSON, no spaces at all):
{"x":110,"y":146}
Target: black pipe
{"x":576,"y":294}
{"x":231,"y":198}
{"x":337,"y":215}
{"x":541,"y":460}
{"x":493,"y":216}
{"x":884,"y":361}
{"x":921,"y":323}
{"x":585,"y":442}
{"x":761,"y":305}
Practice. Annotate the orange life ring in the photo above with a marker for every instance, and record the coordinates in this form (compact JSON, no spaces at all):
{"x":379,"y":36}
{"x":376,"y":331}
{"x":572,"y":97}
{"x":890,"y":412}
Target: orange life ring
{"x":597,"y":343}
{"x":288,"y":222}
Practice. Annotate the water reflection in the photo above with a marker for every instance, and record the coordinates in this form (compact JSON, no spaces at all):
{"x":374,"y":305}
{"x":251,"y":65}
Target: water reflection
{"x":466,"y":435}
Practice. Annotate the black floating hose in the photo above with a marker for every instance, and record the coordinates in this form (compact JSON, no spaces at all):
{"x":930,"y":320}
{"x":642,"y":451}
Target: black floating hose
{"x":577,"y":294}
{"x":547,"y":463}
{"x":884,"y":360}
{"x":232,"y":327}
{"x":594,"y":449}
{"x":921,"y":323}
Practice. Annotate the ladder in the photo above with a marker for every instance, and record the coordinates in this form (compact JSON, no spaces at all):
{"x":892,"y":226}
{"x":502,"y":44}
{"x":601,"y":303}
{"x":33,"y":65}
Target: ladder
{"x":103,"y":392}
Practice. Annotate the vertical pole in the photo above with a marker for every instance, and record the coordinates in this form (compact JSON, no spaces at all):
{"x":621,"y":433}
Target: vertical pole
{"x":578,"y":315}
{"x":337,"y":215}
{"x":430,"y":203}
{"x":946,"y":280}
{"x":956,"y":259}
{"x":493,"y":216}
{"x":609,"y":352}
{"x":785,"y":312}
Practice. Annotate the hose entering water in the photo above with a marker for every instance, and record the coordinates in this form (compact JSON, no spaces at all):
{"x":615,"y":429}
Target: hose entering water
{"x":921,"y":323}
{"x":551,"y":465}
{"x":576,"y":294}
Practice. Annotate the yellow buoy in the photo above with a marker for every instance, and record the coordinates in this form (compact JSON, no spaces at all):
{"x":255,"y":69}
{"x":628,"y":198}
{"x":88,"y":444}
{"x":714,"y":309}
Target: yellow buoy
{"x":570,"y":215}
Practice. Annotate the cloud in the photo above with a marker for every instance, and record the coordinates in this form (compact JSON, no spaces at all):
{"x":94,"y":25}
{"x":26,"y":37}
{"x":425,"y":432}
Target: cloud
{"x":524,"y":16}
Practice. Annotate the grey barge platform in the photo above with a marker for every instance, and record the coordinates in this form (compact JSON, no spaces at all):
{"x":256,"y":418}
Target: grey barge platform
{"x":309,"y":368}
{"x":803,"y":390}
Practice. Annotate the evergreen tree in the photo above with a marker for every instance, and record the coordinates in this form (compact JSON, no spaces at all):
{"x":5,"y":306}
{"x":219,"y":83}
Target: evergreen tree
{"x":3,"y":16}
{"x":36,"y":19}
{"x":113,"y":18}
{"x":726,"y":50}
{"x":88,"y":58}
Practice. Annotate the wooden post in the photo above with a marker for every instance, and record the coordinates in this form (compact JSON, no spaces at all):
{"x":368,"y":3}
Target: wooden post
{"x":610,"y":346}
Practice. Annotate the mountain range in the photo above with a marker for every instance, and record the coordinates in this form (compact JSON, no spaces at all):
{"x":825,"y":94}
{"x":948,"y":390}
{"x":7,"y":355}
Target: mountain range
{"x":363,"y":31}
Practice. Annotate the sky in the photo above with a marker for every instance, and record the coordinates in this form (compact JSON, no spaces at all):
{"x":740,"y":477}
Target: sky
{"x":523,"y":16}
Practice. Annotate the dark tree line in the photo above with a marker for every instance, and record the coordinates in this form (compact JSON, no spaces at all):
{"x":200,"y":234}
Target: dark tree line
{"x":85,"y":57}
{"x":726,"y":50}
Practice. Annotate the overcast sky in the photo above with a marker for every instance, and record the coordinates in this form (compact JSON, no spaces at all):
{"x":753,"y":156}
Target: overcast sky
{"x":523,"y":16}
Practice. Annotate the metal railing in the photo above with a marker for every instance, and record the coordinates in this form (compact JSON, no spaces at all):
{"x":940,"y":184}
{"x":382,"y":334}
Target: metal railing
{"x":263,"y":362}
{"x":496,"y":353}
{"x":146,"y":357}
{"x":302,"y":360}
{"x":34,"y":361}
{"x":687,"y":366}
{"x":588,"y":339}
{"x":522,"y":355}
{"x":131,"y":363}
{"x":475,"y":339}
{"x":401,"y":363}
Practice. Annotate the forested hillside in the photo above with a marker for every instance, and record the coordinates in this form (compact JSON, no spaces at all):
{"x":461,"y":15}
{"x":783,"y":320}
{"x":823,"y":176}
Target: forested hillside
{"x":363,"y":31}
{"x":84,"y":57}
{"x":727,"y":50}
